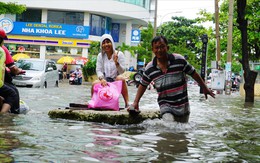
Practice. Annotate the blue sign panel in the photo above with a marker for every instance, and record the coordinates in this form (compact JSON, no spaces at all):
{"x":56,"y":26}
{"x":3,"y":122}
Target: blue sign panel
{"x":139,"y":63}
{"x":51,"y":30}
{"x":136,"y":36}
{"x":115,"y":31}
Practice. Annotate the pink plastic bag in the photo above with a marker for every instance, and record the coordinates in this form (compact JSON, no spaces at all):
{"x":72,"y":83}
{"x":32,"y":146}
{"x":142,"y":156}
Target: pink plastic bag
{"x":106,"y":97}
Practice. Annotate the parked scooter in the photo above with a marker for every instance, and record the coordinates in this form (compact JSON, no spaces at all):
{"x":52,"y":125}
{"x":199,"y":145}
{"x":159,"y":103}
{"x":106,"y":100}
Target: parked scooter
{"x":137,"y":77}
{"x":73,"y":80}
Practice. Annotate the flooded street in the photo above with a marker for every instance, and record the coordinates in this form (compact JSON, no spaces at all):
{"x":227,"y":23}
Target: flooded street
{"x":219,"y":130}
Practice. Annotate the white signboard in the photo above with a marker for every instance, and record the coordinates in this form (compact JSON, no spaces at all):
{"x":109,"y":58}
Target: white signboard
{"x":217,"y":79}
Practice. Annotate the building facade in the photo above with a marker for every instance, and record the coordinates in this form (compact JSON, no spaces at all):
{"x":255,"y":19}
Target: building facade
{"x":54,"y":28}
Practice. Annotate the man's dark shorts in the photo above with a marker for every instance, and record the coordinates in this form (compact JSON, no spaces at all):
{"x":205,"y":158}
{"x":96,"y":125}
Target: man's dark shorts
{"x":10,"y":97}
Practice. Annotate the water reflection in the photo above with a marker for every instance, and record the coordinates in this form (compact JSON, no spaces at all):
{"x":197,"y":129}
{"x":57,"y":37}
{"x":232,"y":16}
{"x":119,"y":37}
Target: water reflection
{"x":219,"y":130}
{"x":171,"y":145}
{"x":102,"y":149}
{"x":8,"y":141}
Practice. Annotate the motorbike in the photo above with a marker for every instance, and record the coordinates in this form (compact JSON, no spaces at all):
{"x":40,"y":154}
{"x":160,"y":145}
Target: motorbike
{"x":137,"y":78}
{"x":73,"y":79}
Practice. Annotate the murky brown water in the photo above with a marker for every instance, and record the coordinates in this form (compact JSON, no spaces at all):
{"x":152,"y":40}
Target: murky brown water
{"x":219,"y":130}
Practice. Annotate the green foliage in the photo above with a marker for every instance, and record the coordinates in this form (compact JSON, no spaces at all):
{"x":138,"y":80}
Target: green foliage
{"x":184,"y":38}
{"x":94,"y":48}
{"x":125,"y":47}
{"x":252,"y":15}
{"x":144,"y":49}
{"x":11,"y":8}
{"x":131,"y":77}
{"x":90,"y":68}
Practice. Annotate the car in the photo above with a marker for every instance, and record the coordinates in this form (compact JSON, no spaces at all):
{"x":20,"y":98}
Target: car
{"x":40,"y":73}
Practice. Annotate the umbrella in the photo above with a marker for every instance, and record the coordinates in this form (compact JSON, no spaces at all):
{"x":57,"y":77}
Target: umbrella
{"x":80,"y":61}
{"x":65,"y":59}
{"x":18,"y":56}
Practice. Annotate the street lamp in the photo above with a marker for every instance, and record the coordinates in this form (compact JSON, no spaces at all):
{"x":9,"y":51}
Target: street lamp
{"x":163,"y":16}
{"x":204,"y":40}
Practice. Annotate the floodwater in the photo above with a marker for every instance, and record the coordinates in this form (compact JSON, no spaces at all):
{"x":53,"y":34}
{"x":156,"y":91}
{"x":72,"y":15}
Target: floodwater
{"x":219,"y":130}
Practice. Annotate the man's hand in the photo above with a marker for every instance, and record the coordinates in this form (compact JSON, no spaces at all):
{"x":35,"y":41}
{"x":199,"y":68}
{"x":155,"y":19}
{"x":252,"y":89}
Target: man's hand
{"x":133,"y":106}
{"x":15,"y":70}
{"x":22,"y":71}
{"x":207,"y":92}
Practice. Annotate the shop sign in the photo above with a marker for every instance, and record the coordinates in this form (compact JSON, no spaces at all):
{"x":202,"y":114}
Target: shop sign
{"x":257,"y":67}
{"x":6,"y":24}
{"x":51,"y":30}
{"x":136,"y":36}
{"x":115,"y":31}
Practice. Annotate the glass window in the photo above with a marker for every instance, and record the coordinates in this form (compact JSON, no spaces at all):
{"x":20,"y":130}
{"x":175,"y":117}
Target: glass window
{"x":30,"y":65}
{"x":52,"y":65}
{"x":30,"y":15}
{"x":53,"y":51}
{"x":97,"y":25}
{"x":108,"y":25}
{"x":66,"y":17}
{"x":32,"y":50}
{"x":141,"y":3}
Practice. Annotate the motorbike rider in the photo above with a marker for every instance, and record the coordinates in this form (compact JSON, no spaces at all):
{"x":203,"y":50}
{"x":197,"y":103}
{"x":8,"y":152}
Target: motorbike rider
{"x":78,"y":75}
{"x":10,"y":95}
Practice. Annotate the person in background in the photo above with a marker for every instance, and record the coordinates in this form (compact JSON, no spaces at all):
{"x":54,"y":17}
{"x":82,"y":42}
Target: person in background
{"x":64,"y":70}
{"x":9,"y":97}
{"x":78,"y":74}
{"x":11,"y":68}
{"x":110,"y":65}
{"x":168,"y":72}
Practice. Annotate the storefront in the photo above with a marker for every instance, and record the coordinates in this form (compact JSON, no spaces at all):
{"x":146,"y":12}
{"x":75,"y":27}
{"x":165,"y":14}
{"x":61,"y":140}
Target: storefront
{"x":52,"y":30}
{"x":46,"y":40}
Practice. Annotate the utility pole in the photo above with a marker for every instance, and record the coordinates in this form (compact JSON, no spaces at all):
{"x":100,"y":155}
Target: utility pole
{"x":229,"y":48}
{"x":155,"y":19}
{"x":217,"y":33}
{"x":155,"y":23}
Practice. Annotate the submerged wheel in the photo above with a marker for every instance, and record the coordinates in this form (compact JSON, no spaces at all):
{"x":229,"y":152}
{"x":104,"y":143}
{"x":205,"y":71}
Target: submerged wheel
{"x":137,"y":77}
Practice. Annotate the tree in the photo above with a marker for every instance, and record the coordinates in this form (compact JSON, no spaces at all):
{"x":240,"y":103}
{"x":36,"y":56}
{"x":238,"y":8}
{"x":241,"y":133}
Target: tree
{"x":184,"y":38}
{"x":11,"y":8}
{"x":249,"y":75}
{"x":246,"y":38}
